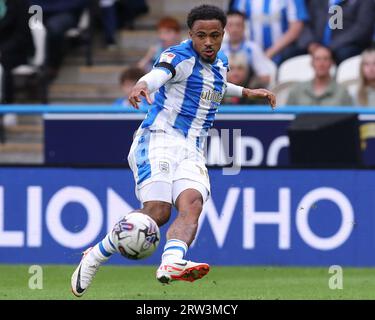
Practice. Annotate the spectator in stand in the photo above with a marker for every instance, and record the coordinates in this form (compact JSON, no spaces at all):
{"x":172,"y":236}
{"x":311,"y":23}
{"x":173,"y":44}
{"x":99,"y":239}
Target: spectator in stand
{"x":16,"y":44}
{"x":58,"y":17}
{"x":274,"y":25}
{"x":169,"y":34}
{"x":239,"y":74}
{"x":351,"y":40}
{"x":129,"y":10}
{"x":109,"y":20}
{"x":236,"y":43}
{"x":366,"y":91}
{"x":128,"y":79}
{"x":323,"y":90}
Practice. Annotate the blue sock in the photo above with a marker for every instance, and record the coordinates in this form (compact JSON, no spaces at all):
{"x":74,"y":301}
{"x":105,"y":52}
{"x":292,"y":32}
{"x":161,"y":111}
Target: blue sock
{"x":174,"y":248}
{"x":104,"y":249}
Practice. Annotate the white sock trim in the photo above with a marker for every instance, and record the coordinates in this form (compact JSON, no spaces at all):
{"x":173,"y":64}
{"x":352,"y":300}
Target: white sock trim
{"x":175,"y":248}
{"x":104,"y":249}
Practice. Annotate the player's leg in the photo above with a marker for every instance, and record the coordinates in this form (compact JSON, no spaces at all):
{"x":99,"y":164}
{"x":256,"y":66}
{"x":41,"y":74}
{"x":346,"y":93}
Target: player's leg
{"x":93,"y":257}
{"x":189,"y":205}
{"x":189,"y":198}
{"x":191,"y":188}
{"x":159,"y":211}
{"x":156,"y":197}
{"x":151,"y":164}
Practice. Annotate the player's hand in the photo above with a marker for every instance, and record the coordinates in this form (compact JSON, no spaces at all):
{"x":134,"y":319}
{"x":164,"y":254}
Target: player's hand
{"x":140,"y":89}
{"x":260,"y":93}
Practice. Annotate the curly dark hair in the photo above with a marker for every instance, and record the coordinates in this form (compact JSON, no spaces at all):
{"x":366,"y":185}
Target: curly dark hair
{"x":206,"y":12}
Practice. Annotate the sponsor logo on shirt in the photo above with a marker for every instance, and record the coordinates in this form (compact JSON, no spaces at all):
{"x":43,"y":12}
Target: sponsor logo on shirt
{"x":212,"y":95}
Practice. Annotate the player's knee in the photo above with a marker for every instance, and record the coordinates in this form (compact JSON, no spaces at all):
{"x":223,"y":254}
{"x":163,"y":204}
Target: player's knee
{"x":190,"y":202}
{"x":192,"y":209}
{"x":160,"y":212}
{"x":196,"y":206}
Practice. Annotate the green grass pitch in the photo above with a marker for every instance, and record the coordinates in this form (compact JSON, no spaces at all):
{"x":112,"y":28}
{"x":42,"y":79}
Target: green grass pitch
{"x":120,"y":282}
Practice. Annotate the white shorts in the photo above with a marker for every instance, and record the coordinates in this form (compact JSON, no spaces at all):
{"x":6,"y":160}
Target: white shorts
{"x":157,"y":156}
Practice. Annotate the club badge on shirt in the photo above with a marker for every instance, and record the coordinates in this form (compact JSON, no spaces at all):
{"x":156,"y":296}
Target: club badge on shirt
{"x":164,"y":166}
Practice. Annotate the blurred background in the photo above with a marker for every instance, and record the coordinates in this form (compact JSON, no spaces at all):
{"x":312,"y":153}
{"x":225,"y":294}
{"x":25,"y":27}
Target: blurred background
{"x":91,"y":52}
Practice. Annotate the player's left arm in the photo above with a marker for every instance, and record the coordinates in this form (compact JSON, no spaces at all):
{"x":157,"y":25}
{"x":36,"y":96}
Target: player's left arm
{"x":238,"y":91}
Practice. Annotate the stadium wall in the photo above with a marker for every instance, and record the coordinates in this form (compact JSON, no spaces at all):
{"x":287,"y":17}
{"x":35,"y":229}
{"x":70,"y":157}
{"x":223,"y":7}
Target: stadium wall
{"x":254,"y":136}
{"x":258,"y":217}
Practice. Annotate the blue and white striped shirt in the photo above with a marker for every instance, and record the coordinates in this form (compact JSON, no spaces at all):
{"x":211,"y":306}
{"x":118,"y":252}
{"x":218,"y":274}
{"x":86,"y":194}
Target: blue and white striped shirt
{"x":189,"y":101}
{"x":268,"y":20}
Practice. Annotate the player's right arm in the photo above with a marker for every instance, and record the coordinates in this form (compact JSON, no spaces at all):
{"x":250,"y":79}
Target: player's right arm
{"x":172,"y":64}
{"x":148,"y":84}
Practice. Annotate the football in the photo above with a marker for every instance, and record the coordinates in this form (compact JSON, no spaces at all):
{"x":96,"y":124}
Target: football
{"x":136,"y":236}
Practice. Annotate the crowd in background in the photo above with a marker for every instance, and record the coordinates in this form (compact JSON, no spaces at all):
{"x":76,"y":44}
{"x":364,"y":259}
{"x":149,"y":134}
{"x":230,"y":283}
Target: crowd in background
{"x":285,"y":29}
{"x":17,"y":37}
{"x":260,"y":36}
